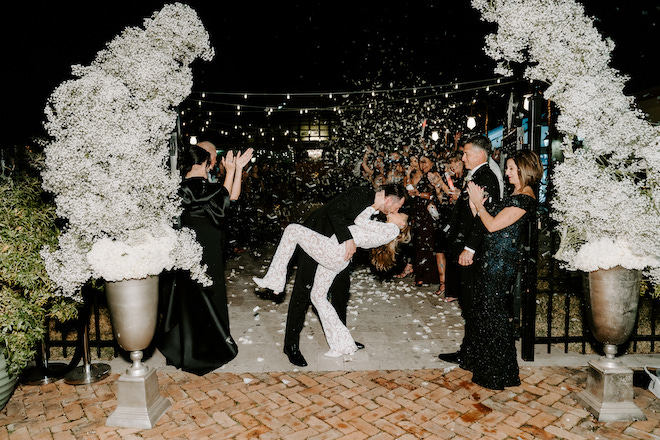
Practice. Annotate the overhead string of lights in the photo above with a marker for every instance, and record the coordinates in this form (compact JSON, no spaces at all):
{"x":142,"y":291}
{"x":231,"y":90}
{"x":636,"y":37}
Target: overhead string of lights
{"x":201,"y":106}
{"x":443,"y":90}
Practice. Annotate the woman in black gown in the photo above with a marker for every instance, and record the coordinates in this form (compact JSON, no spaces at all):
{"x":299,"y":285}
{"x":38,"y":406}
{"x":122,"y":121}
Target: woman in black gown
{"x":424,"y":263}
{"x":489,"y":350}
{"x":195,"y":332}
{"x":447,"y":189}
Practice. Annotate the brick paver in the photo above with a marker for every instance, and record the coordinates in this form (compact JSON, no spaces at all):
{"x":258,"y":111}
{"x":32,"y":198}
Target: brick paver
{"x":401,"y":404}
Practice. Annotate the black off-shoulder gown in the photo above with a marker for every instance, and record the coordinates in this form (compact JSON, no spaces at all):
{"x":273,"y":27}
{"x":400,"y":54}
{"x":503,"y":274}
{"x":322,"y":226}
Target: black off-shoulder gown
{"x":489,"y":347}
{"x":195,"y":333}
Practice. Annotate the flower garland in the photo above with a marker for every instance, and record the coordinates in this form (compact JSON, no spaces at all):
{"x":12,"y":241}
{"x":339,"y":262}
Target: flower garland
{"x":608,"y":190}
{"x":106,"y":165}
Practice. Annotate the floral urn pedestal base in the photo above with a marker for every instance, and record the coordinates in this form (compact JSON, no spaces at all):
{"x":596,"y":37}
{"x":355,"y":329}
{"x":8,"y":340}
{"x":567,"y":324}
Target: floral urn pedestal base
{"x":133,"y":307}
{"x":612,"y":296}
{"x":139,"y":403}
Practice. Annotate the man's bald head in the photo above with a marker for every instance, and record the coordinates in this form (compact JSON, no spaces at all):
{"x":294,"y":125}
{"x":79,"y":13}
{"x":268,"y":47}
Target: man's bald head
{"x":208,"y":146}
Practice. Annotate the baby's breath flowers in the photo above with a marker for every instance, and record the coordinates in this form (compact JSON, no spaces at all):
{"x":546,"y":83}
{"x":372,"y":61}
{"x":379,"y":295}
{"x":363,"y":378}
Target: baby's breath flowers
{"x":107,"y":161}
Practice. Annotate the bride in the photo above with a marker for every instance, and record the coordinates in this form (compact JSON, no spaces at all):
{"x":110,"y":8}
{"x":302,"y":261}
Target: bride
{"x":382,"y":238}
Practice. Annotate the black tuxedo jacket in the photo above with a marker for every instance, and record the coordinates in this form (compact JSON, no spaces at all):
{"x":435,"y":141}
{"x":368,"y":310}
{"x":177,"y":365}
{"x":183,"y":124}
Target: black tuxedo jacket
{"x":464,"y":228}
{"x":339,"y":213}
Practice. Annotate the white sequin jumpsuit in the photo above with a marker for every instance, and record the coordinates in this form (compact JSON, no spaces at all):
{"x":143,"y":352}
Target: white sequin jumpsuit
{"x":329,"y":254}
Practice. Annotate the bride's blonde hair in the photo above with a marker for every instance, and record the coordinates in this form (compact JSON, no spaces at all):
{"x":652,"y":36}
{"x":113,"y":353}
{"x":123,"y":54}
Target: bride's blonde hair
{"x":383,"y":257}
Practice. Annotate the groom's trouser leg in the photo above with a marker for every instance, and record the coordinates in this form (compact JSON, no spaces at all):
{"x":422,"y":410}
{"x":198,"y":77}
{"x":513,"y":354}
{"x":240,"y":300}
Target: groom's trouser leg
{"x":299,"y":301}
{"x":340,"y":293}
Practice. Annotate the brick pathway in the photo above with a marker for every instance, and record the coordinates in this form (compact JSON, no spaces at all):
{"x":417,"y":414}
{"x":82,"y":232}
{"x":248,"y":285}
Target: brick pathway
{"x":401,"y":404}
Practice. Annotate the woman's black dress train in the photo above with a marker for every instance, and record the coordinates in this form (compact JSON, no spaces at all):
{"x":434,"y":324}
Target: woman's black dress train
{"x":489,"y":346}
{"x":195,"y":333}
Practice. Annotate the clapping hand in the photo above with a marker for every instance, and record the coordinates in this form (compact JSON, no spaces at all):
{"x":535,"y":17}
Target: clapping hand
{"x":228,"y":161}
{"x":231,"y":161}
{"x":244,"y":159}
{"x":434,"y":178}
{"x":477,"y":194}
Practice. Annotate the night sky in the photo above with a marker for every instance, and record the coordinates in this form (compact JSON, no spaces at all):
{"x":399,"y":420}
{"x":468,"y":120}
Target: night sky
{"x":293,"y":46}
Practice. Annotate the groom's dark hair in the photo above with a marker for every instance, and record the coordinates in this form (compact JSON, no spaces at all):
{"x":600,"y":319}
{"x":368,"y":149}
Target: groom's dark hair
{"x":395,"y":190}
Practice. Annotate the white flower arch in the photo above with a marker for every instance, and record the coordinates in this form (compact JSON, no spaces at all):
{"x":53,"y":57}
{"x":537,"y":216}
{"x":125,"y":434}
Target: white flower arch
{"x":608,"y":192}
{"x":106,"y":164}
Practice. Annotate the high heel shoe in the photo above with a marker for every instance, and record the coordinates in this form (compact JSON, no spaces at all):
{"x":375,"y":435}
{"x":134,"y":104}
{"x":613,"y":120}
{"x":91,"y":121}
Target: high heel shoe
{"x":264,"y":284}
{"x":406,"y":271}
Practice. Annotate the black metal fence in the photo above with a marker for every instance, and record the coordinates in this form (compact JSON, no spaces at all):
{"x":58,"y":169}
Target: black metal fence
{"x":551,"y":309}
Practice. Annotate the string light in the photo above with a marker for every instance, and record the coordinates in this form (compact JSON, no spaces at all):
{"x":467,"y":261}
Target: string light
{"x":432,"y":94}
{"x":414,"y":89}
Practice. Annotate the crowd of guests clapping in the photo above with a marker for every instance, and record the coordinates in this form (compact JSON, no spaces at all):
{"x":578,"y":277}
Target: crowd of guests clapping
{"x":433,"y":176}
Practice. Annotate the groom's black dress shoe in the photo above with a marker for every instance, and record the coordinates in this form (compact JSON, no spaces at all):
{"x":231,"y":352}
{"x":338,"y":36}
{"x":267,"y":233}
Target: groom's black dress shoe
{"x":452,"y":358}
{"x":295,"y":356}
{"x":269,"y":294}
{"x":359,"y":345}
{"x":263,"y":292}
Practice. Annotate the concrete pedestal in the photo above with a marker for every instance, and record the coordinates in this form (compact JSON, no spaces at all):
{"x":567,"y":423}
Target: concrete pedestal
{"x":139,"y":403}
{"x":609,"y":394}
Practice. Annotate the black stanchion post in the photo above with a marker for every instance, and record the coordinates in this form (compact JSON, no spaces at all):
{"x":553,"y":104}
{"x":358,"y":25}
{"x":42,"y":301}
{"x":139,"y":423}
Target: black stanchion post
{"x":44,"y":372}
{"x":529,"y":290}
{"x":86,"y":373}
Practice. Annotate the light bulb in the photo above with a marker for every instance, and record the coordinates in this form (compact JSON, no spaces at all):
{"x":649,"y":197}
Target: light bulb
{"x":471,"y":122}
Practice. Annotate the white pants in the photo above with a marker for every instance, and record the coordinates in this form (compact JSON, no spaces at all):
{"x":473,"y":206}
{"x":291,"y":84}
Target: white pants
{"x":329,"y":254}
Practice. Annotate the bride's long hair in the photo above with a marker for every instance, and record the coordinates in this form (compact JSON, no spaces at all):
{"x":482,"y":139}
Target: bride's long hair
{"x":383,"y":257}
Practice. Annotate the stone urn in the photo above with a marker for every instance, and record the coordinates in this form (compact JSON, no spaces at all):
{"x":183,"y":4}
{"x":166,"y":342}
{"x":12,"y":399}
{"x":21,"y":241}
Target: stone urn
{"x":133,"y":306}
{"x":611,"y":297}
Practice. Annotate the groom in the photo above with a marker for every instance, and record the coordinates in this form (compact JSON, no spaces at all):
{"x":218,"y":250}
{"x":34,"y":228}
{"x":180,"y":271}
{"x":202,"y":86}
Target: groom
{"x":333,"y":218}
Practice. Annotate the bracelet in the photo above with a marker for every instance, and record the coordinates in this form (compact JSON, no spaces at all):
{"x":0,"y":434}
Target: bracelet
{"x":482,"y":209}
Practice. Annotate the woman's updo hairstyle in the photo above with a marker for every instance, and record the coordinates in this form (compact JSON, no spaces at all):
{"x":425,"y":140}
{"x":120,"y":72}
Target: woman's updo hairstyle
{"x":194,"y":155}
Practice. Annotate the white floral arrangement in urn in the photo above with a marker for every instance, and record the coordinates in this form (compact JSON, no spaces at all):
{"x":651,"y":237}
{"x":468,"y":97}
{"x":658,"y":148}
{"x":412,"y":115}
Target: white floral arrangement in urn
{"x":107,"y":161}
{"x":608,"y":191}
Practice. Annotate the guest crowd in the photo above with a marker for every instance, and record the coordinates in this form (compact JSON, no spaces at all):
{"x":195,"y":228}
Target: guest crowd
{"x":456,"y":229}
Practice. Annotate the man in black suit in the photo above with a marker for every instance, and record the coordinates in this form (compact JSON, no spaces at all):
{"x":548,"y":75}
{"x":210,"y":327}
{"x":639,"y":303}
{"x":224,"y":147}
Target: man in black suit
{"x":466,"y":231}
{"x":333,"y":218}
